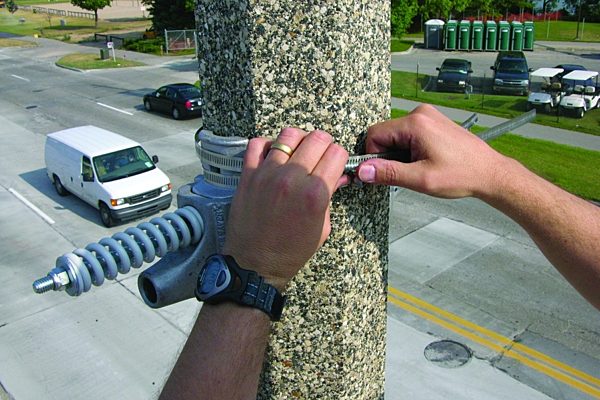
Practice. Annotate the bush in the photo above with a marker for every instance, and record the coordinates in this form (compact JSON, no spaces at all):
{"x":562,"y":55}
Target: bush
{"x":151,"y":46}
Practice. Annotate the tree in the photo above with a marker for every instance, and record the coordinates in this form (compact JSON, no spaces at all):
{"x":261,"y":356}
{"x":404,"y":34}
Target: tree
{"x":548,"y":5}
{"x":12,"y":7}
{"x":92,"y":5}
{"x":402,"y":13}
{"x":171,"y":14}
{"x":590,"y":9}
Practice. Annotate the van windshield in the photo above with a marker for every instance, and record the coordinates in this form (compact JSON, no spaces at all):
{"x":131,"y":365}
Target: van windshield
{"x":514,"y":66}
{"x":122,"y":164}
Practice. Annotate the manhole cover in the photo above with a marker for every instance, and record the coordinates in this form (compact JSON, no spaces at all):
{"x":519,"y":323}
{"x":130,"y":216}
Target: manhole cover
{"x":447,"y":353}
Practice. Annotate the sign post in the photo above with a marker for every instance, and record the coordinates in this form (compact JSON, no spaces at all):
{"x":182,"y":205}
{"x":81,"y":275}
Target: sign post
{"x":111,"y":46}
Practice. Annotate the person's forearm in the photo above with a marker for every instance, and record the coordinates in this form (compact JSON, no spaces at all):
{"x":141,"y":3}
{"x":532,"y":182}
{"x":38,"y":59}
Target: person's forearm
{"x":565,"y":227}
{"x":223,"y":355}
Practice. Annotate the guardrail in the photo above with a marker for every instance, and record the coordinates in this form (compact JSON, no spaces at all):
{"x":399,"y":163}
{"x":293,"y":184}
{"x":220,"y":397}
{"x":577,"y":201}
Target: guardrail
{"x":61,"y":13}
{"x":118,"y":41}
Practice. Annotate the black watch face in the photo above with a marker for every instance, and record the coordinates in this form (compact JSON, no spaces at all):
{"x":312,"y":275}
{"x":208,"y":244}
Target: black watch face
{"x":214,"y":277}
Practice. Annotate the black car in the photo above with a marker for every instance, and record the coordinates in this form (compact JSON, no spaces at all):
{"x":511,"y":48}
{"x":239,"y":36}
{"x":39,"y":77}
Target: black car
{"x":178,"y":99}
{"x":569,"y":68}
{"x":454,"y":75}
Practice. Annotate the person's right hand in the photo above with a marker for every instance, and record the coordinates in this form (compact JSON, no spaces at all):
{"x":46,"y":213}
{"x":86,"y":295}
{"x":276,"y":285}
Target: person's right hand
{"x":447,"y":160}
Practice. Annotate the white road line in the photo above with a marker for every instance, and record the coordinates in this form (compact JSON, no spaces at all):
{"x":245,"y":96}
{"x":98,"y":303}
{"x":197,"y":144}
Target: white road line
{"x":32,"y":206}
{"x":114,"y":108}
{"x":20,"y":77}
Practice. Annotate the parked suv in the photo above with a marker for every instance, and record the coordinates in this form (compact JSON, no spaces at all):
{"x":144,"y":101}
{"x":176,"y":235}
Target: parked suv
{"x":511,"y":73}
{"x":454,"y":75}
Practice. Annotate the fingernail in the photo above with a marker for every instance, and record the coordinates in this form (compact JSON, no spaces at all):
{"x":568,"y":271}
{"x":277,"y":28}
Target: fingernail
{"x":366,"y":173}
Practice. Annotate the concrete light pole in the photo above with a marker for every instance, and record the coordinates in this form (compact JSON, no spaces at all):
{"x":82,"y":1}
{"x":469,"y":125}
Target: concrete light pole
{"x":267,"y":64}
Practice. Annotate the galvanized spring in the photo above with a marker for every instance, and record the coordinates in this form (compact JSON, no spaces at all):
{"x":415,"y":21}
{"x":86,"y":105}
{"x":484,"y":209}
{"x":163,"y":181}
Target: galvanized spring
{"x":124,"y":250}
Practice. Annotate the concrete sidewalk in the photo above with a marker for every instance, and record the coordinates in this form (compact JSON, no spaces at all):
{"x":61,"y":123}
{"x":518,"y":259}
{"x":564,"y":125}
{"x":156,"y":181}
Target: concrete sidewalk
{"x":576,"y":47}
{"x":535,"y":131}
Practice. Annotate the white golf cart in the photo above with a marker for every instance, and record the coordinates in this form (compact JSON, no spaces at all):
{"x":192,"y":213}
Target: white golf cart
{"x":583,"y":93}
{"x":545,"y":95}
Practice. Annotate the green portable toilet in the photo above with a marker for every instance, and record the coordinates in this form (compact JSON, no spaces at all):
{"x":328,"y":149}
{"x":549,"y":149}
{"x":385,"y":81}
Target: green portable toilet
{"x":503,"y":36}
{"x":464,"y":34}
{"x":516,"y":38}
{"x":491,"y":36}
{"x":451,"y":31}
{"x":434,"y":34}
{"x":477,"y":36}
{"x":529,"y":35}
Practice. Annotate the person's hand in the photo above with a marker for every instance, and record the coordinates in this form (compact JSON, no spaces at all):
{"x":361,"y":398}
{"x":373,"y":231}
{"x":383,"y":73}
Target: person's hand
{"x":280,"y":213}
{"x":447,"y":160}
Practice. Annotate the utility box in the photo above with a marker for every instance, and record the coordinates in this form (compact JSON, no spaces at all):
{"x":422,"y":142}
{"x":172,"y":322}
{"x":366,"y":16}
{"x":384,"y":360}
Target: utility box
{"x":477,"y":36}
{"x":451,"y":35}
{"x":516,"y":39}
{"x":464,"y":35}
{"x":529,"y":39}
{"x":503,"y":36}
{"x":491,"y":36}
{"x":434,"y":34}
{"x":104,"y":54}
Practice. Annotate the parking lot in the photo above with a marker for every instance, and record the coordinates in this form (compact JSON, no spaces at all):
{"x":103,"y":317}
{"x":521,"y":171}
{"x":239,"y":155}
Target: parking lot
{"x":545,"y":55}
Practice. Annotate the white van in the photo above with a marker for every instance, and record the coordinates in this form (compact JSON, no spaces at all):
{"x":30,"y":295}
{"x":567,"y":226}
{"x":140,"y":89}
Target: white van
{"x":112,"y":173}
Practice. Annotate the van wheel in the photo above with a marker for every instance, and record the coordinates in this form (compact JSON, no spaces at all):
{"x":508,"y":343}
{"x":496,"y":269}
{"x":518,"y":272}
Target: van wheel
{"x":60,"y":189}
{"x":105,"y":216}
{"x":175,"y":113}
{"x":147,"y":105}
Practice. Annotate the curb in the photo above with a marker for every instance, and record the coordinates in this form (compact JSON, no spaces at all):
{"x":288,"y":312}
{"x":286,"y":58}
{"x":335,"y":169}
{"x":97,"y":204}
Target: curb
{"x":410,"y":50}
{"x":70,"y":68}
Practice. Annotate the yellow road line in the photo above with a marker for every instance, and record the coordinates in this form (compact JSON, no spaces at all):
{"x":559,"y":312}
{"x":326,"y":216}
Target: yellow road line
{"x":577,"y":379}
{"x":493,"y":335}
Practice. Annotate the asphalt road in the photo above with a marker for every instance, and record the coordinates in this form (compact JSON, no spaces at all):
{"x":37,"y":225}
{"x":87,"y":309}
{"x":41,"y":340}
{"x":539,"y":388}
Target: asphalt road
{"x":458,"y":261}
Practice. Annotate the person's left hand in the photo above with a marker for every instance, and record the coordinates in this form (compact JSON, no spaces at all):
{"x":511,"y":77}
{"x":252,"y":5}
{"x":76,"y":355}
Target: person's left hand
{"x":280,"y":213}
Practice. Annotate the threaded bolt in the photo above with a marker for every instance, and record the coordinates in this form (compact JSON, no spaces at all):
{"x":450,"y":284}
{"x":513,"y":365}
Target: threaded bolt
{"x":57,"y":279}
{"x":43,"y":285}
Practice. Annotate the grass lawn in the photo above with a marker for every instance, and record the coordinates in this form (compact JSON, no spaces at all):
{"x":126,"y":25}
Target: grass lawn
{"x":571,"y":168}
{"x":403,"y":85}
{"x":92,"y":61}
{"x":567,"y":31}
{"x":397,"y":45}
{"x":75,"y":30}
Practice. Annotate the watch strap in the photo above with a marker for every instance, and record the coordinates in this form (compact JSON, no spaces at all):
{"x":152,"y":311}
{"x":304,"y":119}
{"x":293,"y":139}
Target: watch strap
{"x":247,"y":288}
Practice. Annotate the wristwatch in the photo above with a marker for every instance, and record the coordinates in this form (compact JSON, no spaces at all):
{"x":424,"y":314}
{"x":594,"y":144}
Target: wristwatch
{"x":221,"y":279}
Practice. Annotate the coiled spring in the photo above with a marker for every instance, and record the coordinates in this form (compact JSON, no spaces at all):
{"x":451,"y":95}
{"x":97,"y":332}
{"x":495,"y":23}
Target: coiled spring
{"x":126,"y":250}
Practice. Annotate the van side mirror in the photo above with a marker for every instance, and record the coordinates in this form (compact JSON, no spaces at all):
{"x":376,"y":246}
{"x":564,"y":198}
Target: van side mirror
{"x":437,"y":68}
{"x":155,"y":159}
{"x":492,"y":67}
{"x":530,"y":69}
{"x":470,"y":71}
